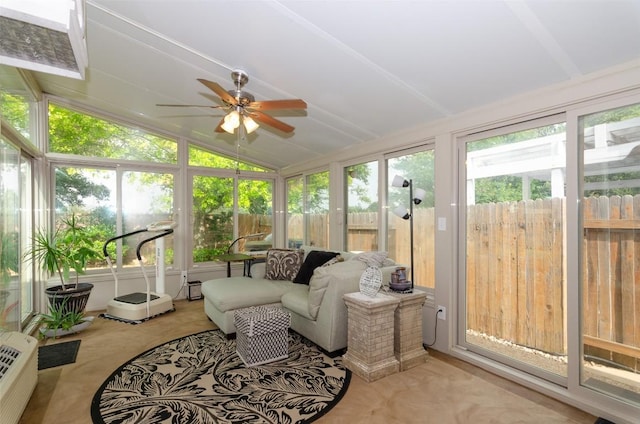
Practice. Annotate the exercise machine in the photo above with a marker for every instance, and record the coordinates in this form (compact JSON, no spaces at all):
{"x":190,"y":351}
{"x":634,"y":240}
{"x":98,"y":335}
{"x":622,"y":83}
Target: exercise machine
{"x":135,"y":308}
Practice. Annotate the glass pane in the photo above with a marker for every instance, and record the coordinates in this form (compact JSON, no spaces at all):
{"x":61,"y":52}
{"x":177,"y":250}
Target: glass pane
{"x":15,"y":111}
{"x":419,"y":167}
{"x":201,"y":157}
{"x":255,"y":215}
{"x":611,"y":253}
{"x":77,"y":133}
{"x":17,"y":106}
{"x":515,"y":253}
{"x":147,"y":198}
{"x":26,"y":230}
{"x":9,"y":237}
{"x":317,"y":210}
{"x":212,"y":217}
{"x":361,"y":207}
{"x":295,"y":209}
{"x":90,"y":195}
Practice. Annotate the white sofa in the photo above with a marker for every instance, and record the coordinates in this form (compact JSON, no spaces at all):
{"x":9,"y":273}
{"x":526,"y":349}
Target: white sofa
{"x":317,"y":310}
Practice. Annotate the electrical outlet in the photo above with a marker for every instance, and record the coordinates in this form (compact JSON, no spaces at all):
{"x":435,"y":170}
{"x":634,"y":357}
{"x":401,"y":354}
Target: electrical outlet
{"x":442,"y":312}
{"x":184,"y":277}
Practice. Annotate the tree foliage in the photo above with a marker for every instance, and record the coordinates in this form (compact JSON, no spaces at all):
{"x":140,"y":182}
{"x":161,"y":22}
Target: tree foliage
{"x":14,"y":109}
{"x":316,"y":198}
{"x":73,"y":189}
{"x":76,"y":133}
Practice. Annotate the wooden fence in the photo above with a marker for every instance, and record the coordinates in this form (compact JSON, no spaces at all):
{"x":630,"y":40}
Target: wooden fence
{"x":515,"y":272}
{"x":611,"y":291}
{"x":516,"y":275}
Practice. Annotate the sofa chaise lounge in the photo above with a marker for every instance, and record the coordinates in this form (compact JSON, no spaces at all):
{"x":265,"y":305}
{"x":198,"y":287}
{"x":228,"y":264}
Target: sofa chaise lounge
{"x":317,"y":309}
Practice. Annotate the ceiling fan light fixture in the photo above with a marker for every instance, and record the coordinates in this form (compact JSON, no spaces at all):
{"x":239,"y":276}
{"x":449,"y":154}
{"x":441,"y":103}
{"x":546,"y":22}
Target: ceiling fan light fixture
{"x":227,"y":127}
{"x":249,"y":124}
{"x":231,"y":122}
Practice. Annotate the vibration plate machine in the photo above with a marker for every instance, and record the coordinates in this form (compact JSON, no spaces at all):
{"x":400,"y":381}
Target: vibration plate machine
{"x":135,"y":308}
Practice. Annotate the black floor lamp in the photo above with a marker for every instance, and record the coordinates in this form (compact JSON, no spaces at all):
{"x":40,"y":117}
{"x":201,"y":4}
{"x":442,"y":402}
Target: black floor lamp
{"x":403,"y":213}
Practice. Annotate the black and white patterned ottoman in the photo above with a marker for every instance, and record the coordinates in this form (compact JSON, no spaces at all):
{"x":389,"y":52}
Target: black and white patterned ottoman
{"x":262,"y":334}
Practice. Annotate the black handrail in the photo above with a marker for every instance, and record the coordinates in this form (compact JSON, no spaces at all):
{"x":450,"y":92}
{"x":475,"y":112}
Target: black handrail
{"x":164,"y":233}
{"x":104,"y":248}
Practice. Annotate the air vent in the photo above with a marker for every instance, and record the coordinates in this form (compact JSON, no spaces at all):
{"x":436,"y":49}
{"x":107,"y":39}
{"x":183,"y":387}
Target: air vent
{"x":8,"y":356}
{"x":44,"y":35}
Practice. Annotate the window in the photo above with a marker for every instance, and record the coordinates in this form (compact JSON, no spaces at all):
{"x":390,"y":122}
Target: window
{"x":215,"y":224}
{"x":317,"y":209}
{"x":295,"y":211}
{"x":308,"y":210}
{"x":419,"y":167}
{"x":90,"y":194}
{"x":212,"y":216}
{"x":255,"y":214}
{"x":16,"y":112}
{"x":147,"y":197}
{"x":77,"y":133}
{"x":361,"y":207}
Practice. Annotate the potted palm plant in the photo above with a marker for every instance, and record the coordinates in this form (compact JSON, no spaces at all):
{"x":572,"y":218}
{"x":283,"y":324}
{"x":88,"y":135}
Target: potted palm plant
{"x":60,"y":322}
{"x":68,"y":248}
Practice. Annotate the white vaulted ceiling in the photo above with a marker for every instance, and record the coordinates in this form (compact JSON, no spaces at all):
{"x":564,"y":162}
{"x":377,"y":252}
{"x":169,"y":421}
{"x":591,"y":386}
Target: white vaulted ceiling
{"x":366,"y":69}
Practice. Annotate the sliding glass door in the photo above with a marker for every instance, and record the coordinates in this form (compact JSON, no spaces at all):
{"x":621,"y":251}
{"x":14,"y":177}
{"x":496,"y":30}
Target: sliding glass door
{"x":513,"y":232}
{"x":16,"y":278}
{"x":610,"y":282}
{"x":9,"y":236}
{"x":17,"y":138}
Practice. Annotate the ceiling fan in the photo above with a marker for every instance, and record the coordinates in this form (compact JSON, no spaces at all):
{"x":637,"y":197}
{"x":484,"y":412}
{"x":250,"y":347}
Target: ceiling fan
{"x":243,"y":108}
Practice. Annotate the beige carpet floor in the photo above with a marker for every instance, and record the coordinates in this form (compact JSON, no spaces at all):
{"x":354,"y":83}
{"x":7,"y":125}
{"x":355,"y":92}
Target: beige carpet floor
{"x":443,"y":390}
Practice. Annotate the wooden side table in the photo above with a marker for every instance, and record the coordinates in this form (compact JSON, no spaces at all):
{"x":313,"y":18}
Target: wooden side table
{"x":370,"y":335}
{"x":408,"y":345}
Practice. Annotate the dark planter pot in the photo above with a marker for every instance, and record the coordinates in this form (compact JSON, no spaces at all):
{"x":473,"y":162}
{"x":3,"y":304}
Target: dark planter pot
{"x":76,"y":298}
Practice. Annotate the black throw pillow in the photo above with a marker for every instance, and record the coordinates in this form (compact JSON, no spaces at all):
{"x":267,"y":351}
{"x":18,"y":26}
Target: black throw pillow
{"x":314,"y":259}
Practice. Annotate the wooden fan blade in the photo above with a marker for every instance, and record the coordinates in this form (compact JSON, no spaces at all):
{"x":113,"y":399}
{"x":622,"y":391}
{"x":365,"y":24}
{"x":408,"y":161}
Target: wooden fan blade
{"x":209,"y":106}
{"x":271,"y":121}
{"x":219,"y":127}
{"x":278,"y":104}
{"x":216,"y":88}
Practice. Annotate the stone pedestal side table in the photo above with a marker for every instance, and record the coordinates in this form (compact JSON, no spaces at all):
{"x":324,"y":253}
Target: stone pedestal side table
{"x":370,"y":335}
{"x":408,"y":345}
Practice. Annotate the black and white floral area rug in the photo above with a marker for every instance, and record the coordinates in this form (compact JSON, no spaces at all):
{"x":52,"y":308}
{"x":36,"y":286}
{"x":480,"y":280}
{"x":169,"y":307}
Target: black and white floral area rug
{"x":201,"y":379}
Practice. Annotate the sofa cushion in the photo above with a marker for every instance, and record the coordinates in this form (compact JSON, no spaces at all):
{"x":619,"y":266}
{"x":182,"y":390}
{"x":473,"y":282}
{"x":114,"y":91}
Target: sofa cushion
{"x":297,"y":301}
{"x":283,"y":264}
{"x":314,"y":259}
{"x":345,"y":255}
{"x":378,"y":259}
{"x":340,"y":273}
{"x":228,"y":294}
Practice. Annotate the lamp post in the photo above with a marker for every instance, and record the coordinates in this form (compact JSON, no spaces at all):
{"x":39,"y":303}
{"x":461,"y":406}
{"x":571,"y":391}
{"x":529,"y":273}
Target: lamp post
{"x":402,"y":212}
